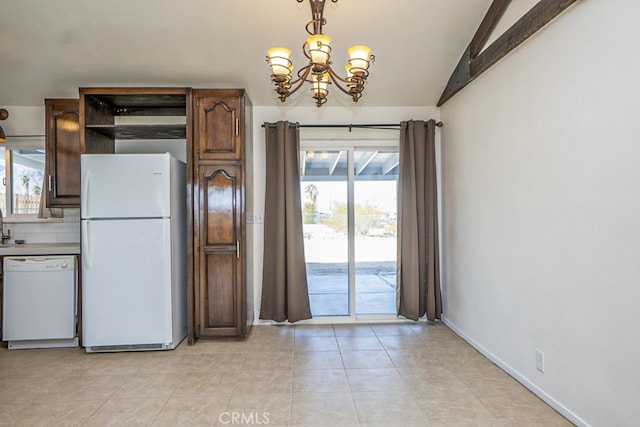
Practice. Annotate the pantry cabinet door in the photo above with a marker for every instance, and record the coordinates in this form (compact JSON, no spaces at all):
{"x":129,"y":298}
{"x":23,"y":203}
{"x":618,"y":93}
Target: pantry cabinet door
{"x":221,"y":279}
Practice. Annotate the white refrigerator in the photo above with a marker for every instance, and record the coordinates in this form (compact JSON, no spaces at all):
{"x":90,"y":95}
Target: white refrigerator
{"x":133,"y":236}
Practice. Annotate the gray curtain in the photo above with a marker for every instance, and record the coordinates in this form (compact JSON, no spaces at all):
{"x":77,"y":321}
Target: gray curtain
{"x":284,"y":275}
{"x":418,"y":269}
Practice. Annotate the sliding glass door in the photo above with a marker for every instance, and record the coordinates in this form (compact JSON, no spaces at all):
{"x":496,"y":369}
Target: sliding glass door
{"x":375,"y":252}
{"x":325,"y":227}
{"x":349,"y":224}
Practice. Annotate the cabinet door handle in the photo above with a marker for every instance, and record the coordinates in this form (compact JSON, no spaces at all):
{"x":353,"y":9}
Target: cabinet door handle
{"x":237,"y":126}
{"x":238,"y":248}
{"x":50,"y":186}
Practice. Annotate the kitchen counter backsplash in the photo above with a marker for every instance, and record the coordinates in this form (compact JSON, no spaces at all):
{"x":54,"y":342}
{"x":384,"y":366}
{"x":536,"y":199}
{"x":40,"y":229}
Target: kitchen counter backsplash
{"x":65,"y":231}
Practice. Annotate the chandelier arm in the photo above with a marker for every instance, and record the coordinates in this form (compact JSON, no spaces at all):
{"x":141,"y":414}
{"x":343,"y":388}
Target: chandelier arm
{"x":303,"y":73}
{"x":337,"y":80}
{"x":337,"y":77}
{"x":305,"y":51}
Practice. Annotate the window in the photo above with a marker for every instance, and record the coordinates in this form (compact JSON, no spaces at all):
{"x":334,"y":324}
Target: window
{"x":22,"y":175}
{"x":349,"y":200}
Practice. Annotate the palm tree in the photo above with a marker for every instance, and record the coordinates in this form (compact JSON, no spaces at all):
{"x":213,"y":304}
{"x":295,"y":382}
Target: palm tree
{"x":310,"y":208}
{"x":24,"y":180}
{"x":311,"y":191}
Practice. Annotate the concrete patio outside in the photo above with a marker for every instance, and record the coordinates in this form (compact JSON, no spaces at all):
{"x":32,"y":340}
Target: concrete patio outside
{"x":329,"y":291}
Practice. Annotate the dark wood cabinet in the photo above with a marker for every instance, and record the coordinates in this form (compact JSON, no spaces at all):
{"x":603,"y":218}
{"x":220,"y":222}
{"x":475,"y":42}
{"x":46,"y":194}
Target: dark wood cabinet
{"x":222,"y":301}
{"x":220,"y":259}
{"x":62,"y":151}
{"x":218,"y":131}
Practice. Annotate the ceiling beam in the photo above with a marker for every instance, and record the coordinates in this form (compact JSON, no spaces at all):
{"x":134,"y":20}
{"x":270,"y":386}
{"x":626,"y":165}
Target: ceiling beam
{"x":476,"y":61}
{"x":488,"y":24}
{"x":360,"y":167}
{"x":392,"y":163}
{"x":334,"y":164}
{"x":30,"y":160}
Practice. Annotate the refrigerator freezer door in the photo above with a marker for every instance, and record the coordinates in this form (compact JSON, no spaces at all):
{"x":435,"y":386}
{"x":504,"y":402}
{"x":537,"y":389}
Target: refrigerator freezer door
{"x":126,"y":275}
{"x":125,"y":185}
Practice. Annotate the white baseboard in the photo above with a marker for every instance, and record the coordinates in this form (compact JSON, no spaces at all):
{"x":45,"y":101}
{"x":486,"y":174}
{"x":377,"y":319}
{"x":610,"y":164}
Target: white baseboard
{"x":566,"y":412}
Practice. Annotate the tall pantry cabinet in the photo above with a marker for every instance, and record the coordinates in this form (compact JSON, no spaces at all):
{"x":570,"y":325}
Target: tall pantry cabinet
{"x":222,"y":301}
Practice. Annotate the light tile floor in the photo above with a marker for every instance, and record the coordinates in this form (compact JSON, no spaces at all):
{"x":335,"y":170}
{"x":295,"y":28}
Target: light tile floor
{"x":397,"y":374}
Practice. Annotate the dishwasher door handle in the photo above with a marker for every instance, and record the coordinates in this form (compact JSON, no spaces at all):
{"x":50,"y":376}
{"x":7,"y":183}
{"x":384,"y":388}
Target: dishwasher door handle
{"x":34,"y":260}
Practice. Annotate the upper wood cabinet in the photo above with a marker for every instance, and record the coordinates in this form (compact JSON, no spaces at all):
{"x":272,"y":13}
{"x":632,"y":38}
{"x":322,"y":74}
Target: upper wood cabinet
{"x":217,"y":126}
{"x":62,"y":151}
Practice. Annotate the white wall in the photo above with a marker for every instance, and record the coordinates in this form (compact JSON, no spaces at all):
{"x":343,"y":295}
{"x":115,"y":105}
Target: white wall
{"x":541,"y":161}
{"x":312,"y":115}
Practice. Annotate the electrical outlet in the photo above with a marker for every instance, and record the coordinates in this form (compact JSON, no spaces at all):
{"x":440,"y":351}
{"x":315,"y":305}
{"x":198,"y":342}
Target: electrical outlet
{"x":258,"y":218}
{"x":539,"y":361}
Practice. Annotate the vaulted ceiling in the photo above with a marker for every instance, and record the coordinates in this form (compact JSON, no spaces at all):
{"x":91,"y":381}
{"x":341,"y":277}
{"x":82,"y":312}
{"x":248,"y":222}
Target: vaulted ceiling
{"x":50,"y":48}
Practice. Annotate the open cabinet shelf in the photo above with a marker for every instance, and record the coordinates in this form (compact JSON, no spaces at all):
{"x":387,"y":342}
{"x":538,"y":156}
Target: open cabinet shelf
{"x":105,"y":112}
{"x":154,"y":131}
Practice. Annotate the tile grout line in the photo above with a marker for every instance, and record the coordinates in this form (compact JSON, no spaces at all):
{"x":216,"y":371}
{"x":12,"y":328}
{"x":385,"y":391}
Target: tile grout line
{"x":353,"y":400}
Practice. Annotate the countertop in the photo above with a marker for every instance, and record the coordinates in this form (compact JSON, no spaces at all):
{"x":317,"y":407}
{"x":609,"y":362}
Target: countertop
{"x":9,"y":249}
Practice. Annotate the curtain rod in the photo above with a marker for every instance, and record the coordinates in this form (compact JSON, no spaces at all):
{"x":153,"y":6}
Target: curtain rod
{"x":355,"y":126}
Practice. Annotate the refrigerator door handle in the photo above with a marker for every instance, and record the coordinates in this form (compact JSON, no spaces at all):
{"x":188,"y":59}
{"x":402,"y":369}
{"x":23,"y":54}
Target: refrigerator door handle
{"x":86,"y":255}
{"x":84,"y":196}
{"x":238,"y":248}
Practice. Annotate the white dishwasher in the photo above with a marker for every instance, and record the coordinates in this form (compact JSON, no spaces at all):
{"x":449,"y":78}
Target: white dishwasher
{"x":39,"y":304}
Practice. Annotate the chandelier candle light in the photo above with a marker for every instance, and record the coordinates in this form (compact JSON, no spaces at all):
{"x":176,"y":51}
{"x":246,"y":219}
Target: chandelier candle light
{"x":318,"y":72}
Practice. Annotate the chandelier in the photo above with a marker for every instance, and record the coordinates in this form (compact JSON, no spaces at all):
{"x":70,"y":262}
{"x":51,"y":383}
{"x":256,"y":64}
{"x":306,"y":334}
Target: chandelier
{"x":318,"y":72}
